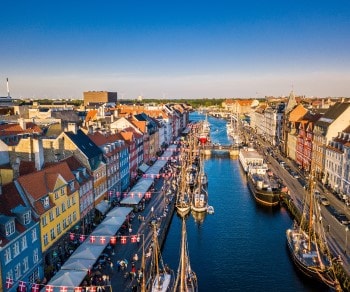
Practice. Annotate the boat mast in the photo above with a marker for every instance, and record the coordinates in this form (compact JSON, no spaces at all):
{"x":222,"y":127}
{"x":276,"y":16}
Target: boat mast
{"x":183,"y":262}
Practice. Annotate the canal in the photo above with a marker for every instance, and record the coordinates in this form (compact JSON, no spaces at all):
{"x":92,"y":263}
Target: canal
{"x":242,"y":247}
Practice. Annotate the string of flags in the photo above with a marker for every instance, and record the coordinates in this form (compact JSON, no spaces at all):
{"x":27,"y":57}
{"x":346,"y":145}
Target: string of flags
{"x":25,"y":286}
{"x":123,"y":239}
{"x":35,"y":287}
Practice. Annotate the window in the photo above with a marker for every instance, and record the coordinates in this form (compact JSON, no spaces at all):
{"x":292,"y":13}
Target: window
{"x":15,"y":249}
{"x":34,"y":276}
{"x":25,"y":264}
{"x":7,"y":254}
{"x":73,"y":200}
{"x":24,"y":242}
{"x":17,"y":271}
{"x":52,"y":233}
{"x":68,"y":203}
{"x":62,"y":191}
{"x":70,"y":219}
{"x":58,"y":211}
{"x":27,"y":218}
{"x":56,"y":195}
{"x":74,"y":216}
{"x":51,"y":216}
{"x":34,"y":235}
{"x":63,"y":207}
{"x":10,"y":228}
{"x":43,"y":220}
{"x":58,"y":228}
{"x":35,"y":255}
{"x":46,"y":239}
{"x":64,"y":223}
{"x":71,"y":186}
{"x":46,"y":202}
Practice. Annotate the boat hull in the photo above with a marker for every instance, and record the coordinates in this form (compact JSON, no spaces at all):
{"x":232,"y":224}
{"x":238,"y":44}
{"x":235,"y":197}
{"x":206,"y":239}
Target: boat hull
{"x":163,"y":284}
{"x":266,"y":198}
{"x":311,"y":271}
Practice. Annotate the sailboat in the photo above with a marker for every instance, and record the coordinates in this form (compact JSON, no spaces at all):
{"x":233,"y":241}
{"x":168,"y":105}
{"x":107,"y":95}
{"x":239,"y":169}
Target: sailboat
{"x":200,"y":194}
{"x":162,"y":276}
{"x":308,"y":246}
{"x":186,"y":280}
{"x":183,"y":198}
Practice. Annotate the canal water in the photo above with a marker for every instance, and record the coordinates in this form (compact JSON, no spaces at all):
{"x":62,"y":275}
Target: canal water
{"x":242,"y":247}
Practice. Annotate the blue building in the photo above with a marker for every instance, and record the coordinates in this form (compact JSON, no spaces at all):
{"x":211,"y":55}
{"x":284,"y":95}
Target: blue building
{"x":20,"y":248}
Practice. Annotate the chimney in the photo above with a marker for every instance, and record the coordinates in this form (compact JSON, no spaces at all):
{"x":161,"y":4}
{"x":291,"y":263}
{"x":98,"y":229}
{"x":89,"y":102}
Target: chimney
{"x":72,"y":127}
{"x":38,"y":150}
{"x":22,"y":123}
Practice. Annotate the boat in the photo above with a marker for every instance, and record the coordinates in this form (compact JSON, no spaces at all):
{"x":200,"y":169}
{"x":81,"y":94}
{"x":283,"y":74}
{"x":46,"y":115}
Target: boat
{"x":210,"y":210}
{"x":186,"y":280}
{"x":307,"y":243}
{"x":204,"y":135}
{"x":199,"y":202}
{"x":183,"y":198}
{"x":250,"y":158}
{"x":265,"y":188}
{"x":162,"y":276}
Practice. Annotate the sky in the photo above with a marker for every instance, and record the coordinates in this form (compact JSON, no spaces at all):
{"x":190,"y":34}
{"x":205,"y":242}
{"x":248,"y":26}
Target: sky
{"x":175,"y":49}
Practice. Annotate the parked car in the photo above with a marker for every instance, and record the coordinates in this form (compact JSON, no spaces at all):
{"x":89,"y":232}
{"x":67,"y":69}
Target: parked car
{"x":324,"y":201}
{"x":342,"y":219}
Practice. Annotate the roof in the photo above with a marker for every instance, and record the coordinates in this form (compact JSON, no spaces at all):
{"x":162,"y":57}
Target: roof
{"x":86,"y":146}
{"x":45,"y":180}
{"x":332,"y":114}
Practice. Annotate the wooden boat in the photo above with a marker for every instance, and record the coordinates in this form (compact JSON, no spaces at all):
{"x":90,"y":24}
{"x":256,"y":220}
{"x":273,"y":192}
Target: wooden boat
{"x":186,"y":280}
{"x":183,"y":196}
{"x":199,"y":201}
{"x":162,"y":276}
{"x":308,"y":246}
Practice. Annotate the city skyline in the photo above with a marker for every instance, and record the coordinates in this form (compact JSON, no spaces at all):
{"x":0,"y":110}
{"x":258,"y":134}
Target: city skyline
{"x":192,"y":49}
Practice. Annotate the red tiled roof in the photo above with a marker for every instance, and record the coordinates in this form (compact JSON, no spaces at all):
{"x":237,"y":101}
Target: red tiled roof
{"x":45,"y":180}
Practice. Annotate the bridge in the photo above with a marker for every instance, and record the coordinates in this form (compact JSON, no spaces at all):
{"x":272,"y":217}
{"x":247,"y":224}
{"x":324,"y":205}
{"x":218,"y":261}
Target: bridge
{"x":218,"y":149}
{"x":223,"y":115}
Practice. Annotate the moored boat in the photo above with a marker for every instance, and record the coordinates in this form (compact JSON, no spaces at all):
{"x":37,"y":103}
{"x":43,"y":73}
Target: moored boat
{"x":264,"y":188}
{"x":250,"y":158}
{"x":186,"y":280}
{"x":308,"y":245}
{"x":162,"y":276}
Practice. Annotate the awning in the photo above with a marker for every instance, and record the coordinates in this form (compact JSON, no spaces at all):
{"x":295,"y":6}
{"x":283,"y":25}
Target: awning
{"x":102,"y":207}
{"x":143,"y":167}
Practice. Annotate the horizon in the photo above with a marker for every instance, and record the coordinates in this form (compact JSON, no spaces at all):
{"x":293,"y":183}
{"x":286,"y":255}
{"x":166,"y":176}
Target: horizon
{"x":182,"y":50}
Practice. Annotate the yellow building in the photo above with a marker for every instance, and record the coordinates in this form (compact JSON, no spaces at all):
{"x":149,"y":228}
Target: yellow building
{"x":53,"y":194}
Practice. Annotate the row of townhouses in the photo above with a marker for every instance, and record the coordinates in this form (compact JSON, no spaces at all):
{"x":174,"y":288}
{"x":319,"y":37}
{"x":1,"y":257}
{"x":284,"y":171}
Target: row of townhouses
{"x":62,"y":169}
{"x":314,"y":134}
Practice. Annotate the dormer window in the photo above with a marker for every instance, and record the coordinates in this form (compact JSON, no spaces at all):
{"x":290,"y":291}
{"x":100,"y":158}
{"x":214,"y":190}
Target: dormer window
{"x":27,"y":218}
{"x":71,"y":186}
{"x":10,"y":227}
{"x":46,"y":202}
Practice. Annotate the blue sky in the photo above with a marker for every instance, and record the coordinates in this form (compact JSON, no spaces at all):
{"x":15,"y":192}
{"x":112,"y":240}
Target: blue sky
{"x":175,"y":49}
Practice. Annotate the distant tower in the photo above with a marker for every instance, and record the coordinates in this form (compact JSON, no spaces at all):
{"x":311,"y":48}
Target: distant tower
{"x":8,"y":88}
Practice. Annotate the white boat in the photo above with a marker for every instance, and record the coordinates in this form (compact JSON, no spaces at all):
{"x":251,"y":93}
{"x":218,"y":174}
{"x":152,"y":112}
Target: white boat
{"x":251,"y":160}
{"x":210,"y":210}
